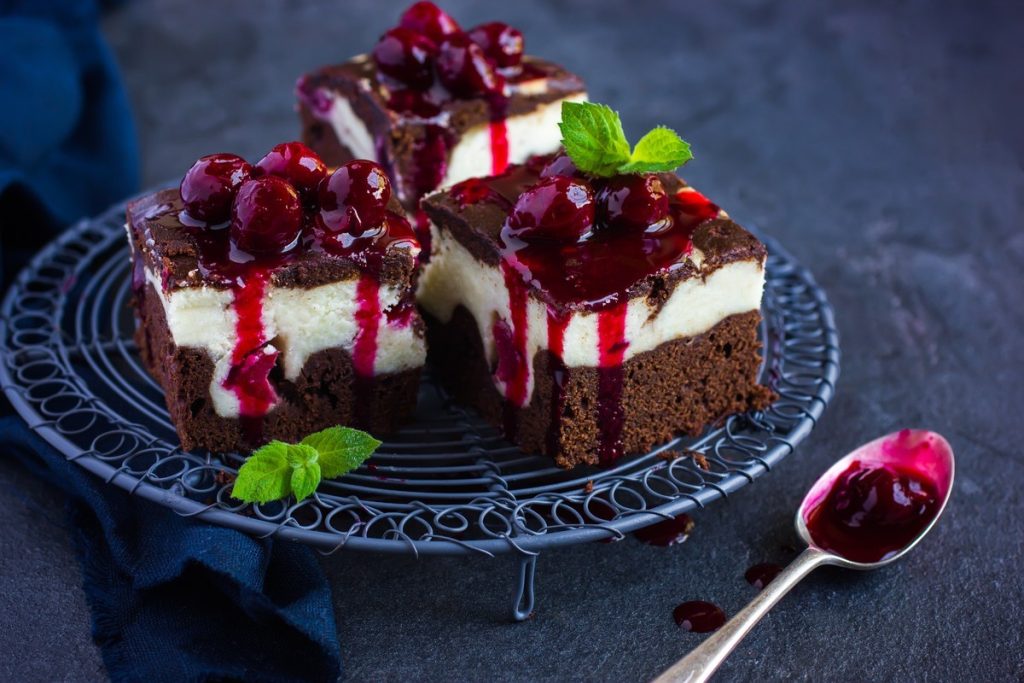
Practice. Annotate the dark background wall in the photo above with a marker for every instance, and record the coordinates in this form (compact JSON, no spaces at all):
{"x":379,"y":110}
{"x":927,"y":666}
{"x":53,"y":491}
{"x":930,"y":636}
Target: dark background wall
{"x":882,"y":143}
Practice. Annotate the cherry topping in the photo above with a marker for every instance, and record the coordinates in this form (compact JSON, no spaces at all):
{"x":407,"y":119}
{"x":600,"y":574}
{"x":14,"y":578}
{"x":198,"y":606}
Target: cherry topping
{"x":355,"y":197}
{"x":465,"y":70}
{"x":430,"y":20}
{"x":632,"y":202}
{"x":209,"y":187}
{"x":502,"y":44}
{"x":556,"y":208}
{"x":267,"y":216}
{"x":415,"y":102}
{"x":560,"y":165}
{"x":407,"y":56}
{"x":297,"y":164}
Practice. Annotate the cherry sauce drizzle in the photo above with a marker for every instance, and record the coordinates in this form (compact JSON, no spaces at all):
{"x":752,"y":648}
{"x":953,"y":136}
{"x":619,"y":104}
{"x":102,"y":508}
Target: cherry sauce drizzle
{"x":364,"y":351}
{"x":247,"y":277}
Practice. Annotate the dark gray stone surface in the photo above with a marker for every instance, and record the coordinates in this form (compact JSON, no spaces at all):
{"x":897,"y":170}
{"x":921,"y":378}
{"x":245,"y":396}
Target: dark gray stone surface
{"x":881,"y":142}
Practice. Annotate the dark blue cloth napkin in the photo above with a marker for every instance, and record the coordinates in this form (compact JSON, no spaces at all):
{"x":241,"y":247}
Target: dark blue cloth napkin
{"x":172,"y":599}
{"x":176,"y":599}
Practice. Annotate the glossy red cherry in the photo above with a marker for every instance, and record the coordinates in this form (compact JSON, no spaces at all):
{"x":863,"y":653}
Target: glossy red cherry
{"x":465,"y":70}
{"x":415,"y":102}
{"x":209,"y":187}
{"x":560,"y":165}
{"x":632,"y":202}
{"x":502,"y":44}
{"x":407,"y":57}
{"x":297,"y":164}
{"x":355,"y":197}
{"x":557,"y":208}
{"x":429,"y":20}
{"x":266,"y":217}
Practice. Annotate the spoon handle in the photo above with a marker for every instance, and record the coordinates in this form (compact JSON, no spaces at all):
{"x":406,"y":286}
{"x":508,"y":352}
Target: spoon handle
{"x":705,"y":659}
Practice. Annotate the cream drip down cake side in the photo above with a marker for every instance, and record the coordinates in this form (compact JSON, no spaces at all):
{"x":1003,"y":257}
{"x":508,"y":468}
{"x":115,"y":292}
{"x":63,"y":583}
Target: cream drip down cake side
{"x":592,"y":316}
{"x":436,"y":105}
{"x":275,"y":300}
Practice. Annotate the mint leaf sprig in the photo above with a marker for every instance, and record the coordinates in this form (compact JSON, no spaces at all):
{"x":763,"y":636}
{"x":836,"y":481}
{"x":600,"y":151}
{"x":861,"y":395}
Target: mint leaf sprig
{"x":593,"y":138}
{"x":280,"y":469}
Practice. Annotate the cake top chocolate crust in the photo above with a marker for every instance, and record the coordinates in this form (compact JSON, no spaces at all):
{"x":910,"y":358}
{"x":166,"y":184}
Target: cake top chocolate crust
{"x":427,"y":83}
{"x":186,"y":257}
{"x":284,"y":219}
{"x":384,"y":105}
{"x":607,"y":267}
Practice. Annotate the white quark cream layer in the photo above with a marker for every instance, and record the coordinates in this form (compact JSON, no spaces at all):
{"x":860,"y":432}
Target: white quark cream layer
{"x":530,"y":134}
{"x":298,"y":323}
{"x":455,"y":277}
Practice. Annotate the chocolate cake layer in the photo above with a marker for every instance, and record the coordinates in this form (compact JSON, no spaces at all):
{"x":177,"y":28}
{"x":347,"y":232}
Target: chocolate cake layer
{"x":680,"y":387}
{"x":326,"y":393}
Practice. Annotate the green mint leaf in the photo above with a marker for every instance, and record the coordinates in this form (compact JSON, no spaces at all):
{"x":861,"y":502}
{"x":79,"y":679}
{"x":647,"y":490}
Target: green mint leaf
{"x":341,"y":449}
{"x":302,"y":454}
{"x":304,"y":461}
{"x":661,"y":150}
{"x":593,"y":138}
{"x":265,"y":476}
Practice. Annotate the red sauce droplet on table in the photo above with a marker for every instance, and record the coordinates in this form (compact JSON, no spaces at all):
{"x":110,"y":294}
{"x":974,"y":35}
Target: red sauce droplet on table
{"x":873,"y":510}
{"x":698,"y":616}
{"x":760,"y":575}
{"x":669,"y":532}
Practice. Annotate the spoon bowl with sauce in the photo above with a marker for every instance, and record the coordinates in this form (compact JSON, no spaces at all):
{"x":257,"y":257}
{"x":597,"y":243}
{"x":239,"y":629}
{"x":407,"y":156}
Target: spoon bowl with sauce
{"x":868,"y":510}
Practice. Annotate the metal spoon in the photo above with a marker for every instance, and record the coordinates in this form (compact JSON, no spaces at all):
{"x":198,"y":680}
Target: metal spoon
{"x":933,"y":458}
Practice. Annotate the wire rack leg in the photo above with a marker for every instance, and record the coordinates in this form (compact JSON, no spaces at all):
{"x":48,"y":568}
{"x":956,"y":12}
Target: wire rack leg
{"x":522,"y":604}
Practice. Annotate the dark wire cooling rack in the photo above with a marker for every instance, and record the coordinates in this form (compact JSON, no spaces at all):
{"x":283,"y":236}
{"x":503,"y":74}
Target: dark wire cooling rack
{"x":448,"y":484}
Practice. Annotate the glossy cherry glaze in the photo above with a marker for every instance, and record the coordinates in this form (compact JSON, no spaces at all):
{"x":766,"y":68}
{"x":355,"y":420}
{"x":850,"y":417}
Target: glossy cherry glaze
{"x":666,"y":533}
{"x":632,"y":202}
{"x":227,"y":258}
{"x":573,"y":267}
{"x":464,"y":69}
{"x":501,"y":43}
{"x":426,"y":62}
{"x":560,"y":164}
{"x":430,"y":20}
{"x":209,"y":188}
{"x":881,"y":501}
{"x":355,"y":197}
{"x":298,"y":164}
{"x":557,"y":208}
{"x":698,"y":616}
{"x":406,"y":56}
{"x":266,"y":216}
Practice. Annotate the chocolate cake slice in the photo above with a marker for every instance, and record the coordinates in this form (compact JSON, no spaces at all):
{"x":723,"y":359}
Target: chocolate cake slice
{"x":269,"y":308}
{"x":592,"y":317}
{"x":436,"y":105}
